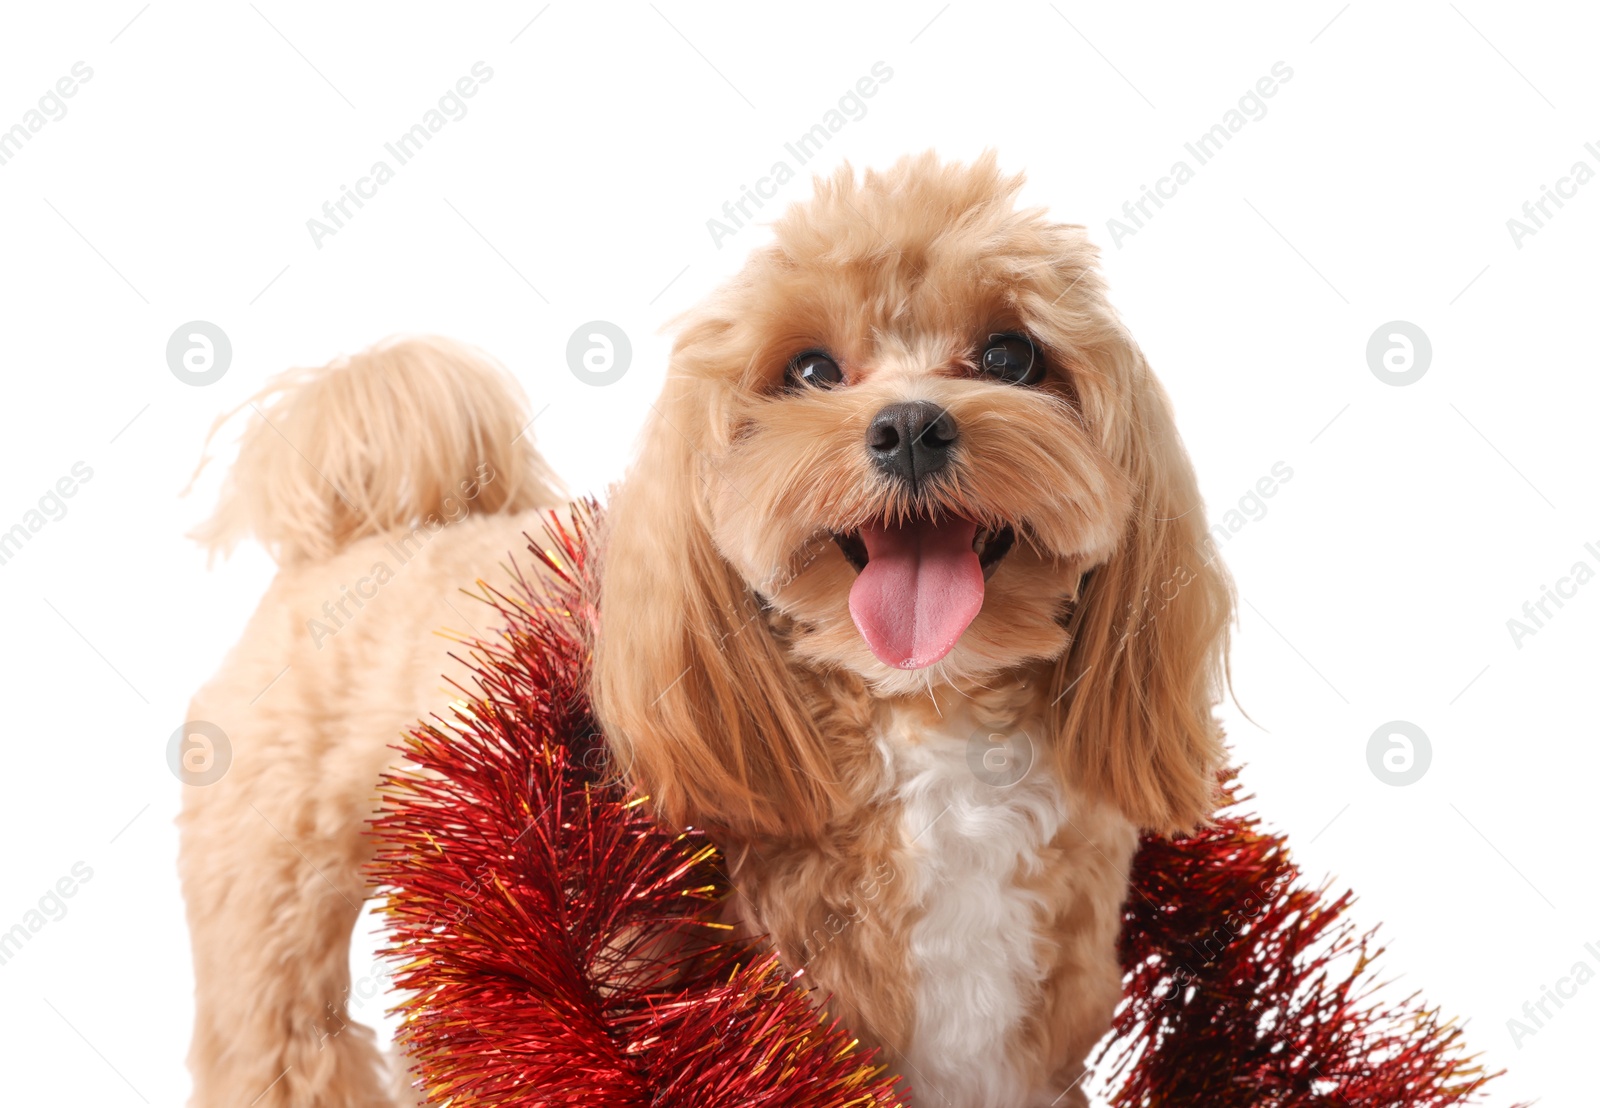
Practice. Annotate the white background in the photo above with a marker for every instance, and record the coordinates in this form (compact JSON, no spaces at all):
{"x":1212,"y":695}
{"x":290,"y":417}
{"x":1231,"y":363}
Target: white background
{"x":1377,"y":586}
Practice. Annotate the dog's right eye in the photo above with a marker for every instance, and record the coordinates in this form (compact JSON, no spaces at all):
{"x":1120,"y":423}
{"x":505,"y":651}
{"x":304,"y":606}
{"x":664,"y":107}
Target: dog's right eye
{"x":815,"y":369}
{"x":1012,"y":359}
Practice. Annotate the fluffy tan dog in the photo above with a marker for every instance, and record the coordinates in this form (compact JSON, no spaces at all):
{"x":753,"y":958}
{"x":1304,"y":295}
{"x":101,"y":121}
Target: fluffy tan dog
{"x":908,"y":598}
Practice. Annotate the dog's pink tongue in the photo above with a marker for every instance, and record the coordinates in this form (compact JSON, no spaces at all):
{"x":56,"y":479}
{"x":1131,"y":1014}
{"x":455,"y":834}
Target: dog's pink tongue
{"x":921,"y":586}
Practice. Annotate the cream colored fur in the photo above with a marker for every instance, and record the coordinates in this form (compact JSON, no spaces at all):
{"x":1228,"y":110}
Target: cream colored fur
{"x":272,"y":853}
{"x":974,"y":850}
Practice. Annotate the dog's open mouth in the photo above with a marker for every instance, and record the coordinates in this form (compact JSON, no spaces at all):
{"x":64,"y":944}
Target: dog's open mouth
{"x":920,"y":583}
{"x":990,"y":545}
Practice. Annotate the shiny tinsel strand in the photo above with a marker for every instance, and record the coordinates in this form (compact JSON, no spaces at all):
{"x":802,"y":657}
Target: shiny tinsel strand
{"x":562,"y":949}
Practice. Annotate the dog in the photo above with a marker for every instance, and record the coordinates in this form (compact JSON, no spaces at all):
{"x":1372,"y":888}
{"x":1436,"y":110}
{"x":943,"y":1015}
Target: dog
{"x":908,"y":600}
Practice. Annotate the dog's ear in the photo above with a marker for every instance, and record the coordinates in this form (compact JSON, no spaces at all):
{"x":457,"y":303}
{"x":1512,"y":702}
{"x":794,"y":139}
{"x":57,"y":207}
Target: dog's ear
{"x":1135,"y":690}
{"x":689,"y":683}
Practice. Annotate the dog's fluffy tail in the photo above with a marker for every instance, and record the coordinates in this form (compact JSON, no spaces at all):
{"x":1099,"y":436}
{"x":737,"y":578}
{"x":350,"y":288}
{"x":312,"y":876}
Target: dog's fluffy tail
{"x":411,"y":429}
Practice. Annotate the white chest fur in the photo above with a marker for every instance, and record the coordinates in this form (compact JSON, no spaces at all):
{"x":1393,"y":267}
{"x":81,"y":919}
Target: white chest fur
{"x":973,"y":825}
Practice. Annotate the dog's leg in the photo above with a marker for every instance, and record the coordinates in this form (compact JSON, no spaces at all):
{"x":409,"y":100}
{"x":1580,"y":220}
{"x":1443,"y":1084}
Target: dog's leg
{"x":271,"y":859}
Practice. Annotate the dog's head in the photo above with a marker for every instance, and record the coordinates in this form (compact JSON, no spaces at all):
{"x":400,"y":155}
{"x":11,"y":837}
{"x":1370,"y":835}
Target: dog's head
{"x":911,"y":441}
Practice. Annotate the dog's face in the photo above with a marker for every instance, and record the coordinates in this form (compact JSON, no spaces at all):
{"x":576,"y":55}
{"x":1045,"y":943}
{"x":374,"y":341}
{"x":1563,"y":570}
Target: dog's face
{"x":911,"y":443}
{"x":905,"y":464}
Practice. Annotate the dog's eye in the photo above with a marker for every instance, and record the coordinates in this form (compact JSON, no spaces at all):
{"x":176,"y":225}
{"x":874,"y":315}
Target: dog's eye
{"x":815,"y":369}
{"x":1013,"y":359}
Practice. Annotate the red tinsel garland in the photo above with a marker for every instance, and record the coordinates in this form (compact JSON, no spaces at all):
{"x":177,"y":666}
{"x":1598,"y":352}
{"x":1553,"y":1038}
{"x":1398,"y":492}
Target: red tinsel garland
{"x":1247,"y":989}
{"x":556,"y":939}
{"x":560,"y":949}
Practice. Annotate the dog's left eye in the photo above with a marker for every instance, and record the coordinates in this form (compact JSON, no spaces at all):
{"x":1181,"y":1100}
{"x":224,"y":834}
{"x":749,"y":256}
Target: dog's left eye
{"x":815,"y":369}
{"x":1013,"y":359}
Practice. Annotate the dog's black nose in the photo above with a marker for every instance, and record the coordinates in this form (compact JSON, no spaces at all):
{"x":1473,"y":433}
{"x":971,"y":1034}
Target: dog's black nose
{"x":912,"y":440}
